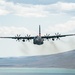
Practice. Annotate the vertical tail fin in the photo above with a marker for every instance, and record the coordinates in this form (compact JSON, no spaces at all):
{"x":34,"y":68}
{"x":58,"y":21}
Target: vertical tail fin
{"x":39,"y":30}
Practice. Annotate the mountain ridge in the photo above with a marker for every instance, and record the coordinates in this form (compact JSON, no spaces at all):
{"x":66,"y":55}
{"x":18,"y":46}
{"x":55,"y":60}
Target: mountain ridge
{"x":60,"y":60}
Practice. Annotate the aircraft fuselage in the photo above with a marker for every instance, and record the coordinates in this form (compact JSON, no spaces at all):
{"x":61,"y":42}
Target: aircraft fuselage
{"x":38,"y":40}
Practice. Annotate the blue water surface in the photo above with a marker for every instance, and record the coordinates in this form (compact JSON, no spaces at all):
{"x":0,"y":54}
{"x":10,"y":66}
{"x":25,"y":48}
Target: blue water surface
{"x":36,"y":71}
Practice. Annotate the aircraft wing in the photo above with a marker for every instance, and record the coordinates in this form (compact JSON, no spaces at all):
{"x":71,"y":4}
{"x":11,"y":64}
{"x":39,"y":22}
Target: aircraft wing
{"x":32,"y":37}
{"x":57,"y":36}
{"x":19,"y":37}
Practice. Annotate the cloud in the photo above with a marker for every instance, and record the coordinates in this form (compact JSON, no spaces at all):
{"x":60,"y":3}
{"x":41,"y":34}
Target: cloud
{"x":3,"y":12}
{"x":30,"y":10}
{"x":60,"y":8}
{"x":14,"y":30}
{"x":25,"y":10}
{"x":66,"y":27}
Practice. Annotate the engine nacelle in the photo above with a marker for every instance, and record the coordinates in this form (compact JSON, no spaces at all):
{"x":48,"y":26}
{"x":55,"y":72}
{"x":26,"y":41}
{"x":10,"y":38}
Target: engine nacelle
{"x":23,"y":40}
{"x":53,"y":39}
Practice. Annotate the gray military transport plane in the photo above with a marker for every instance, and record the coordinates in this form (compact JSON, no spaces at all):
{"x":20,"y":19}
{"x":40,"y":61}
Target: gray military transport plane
{"x":38,"y":40}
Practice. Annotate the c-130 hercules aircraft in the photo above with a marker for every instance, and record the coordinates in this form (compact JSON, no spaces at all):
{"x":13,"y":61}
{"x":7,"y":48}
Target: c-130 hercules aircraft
{"x":38,"y":40}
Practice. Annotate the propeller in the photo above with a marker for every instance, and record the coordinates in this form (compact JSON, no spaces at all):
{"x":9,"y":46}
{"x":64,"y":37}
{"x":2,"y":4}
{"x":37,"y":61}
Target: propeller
{"x":47,"y":35}
{"x":18,"y":37}
{"x":58,"y":38}
{"x":27,"y":39}
{"x":57,"y":34}
{"x":28,"y":35}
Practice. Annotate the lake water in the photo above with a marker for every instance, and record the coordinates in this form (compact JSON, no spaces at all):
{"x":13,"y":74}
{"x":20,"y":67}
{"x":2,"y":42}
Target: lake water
{"x":36,"y":71}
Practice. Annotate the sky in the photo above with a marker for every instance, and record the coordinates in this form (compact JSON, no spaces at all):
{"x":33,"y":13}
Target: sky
{"x":24,"y":16}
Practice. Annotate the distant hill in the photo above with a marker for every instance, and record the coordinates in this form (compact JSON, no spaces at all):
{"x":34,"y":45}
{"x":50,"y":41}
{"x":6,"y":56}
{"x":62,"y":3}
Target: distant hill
{"x":60,"y":60}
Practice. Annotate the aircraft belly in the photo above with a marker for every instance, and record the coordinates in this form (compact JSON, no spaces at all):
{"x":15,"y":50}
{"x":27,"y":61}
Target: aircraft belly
{"x":38,"y":41}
